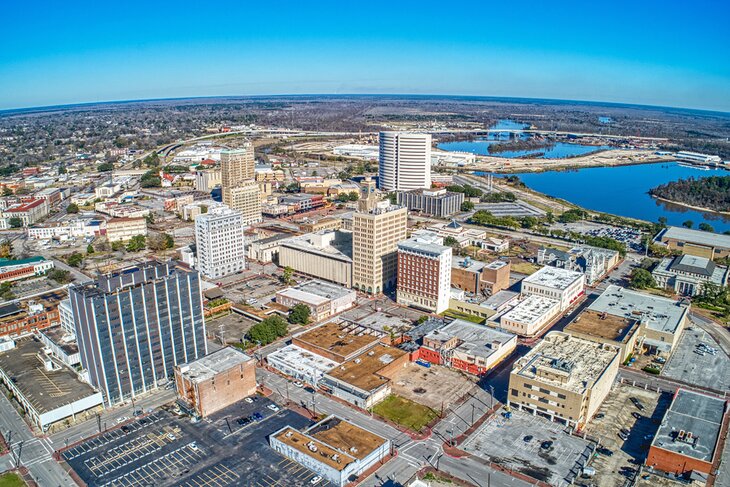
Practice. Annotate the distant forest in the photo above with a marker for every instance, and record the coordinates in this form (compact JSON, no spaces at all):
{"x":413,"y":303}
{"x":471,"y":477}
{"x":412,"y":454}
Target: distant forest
{"x":712,"y":192}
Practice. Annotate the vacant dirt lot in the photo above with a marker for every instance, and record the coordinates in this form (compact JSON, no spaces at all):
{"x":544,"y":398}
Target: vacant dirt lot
{"x":433,"y":386}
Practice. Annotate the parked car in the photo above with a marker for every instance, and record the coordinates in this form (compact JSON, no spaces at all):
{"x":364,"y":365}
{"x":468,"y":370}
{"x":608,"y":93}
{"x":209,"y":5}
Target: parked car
{"x":637,"y":403}
{"x":604,"y":451}
{"x":599,"y":416}
{"x":546,"y":445}
{"x":273,"y":407}
{"x":636,"y":415}
{"x":315,"y":480}
{"x":527,"y":438}
{"x":298,"y":384}
{"x":249,"y":400}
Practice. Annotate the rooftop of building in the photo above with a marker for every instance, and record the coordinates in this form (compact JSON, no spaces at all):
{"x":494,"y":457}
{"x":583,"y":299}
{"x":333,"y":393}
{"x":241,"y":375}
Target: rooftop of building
{"x":496,"y":265}
{"x":658,"y":313}
{"x":467,"y":264}
{"x":531,"y":309}
{"x":61,"y":338}
{"x":333,"y":441}
{"x":499,"y":299}
{"x":298,"y":358}
{"x":22,"y":309}
{"x":272,"y":238}
{"x":338,"y":247}
{"x":302,"y":296}
{"x":603,"y":325}
{"x":332,"y":337}
{"x":45,"y":390}
{"x":424,"y":243}
{"x":700,"y":237}
{"x":361,"y":372}
{"x":553,"y":277}
{"x":384,"y":322}
{"x":205,"y":368}
{"x":691,"y":425}
{"x":566,"y":362}
{"x":26,"y":205}
{"x":693,"y":264}
{"x":323,"y":289}
{"x":29,"y":260}
{"x":428,"y":326}
{"x":474,"y":339}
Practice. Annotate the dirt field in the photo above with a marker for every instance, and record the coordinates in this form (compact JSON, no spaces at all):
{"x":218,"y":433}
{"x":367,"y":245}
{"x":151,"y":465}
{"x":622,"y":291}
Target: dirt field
{"x":433,"y":385}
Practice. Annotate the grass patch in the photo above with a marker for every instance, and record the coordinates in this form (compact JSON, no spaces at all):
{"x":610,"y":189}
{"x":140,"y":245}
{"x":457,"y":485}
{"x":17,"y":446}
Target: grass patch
{"x":405,"y":412}
{"x":524,"y":267}
{"x":11,"y":479}
{"x":458,"y":315}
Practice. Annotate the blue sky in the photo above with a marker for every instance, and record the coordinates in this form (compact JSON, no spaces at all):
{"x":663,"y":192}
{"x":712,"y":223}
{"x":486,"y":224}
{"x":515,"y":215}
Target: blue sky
{"x":648,"y":52}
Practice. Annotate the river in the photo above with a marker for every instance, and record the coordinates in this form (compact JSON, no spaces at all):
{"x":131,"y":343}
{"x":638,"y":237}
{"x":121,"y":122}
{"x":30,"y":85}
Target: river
{"x":623,"y":190}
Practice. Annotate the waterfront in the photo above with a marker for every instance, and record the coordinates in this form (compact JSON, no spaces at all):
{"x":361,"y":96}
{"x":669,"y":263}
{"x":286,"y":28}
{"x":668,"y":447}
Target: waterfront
{"x":623,"y":190}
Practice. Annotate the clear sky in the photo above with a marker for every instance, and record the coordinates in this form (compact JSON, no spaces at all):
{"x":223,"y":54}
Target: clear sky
{"x":672,"y":53}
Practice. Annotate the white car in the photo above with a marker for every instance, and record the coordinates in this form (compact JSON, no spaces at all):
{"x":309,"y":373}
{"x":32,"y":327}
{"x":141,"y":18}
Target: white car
{"x":315,"y":480}
{"x":298,"y":384}
{"x":122,"y":419}
{"x":273,"y":407}
{"x":249,"y":400}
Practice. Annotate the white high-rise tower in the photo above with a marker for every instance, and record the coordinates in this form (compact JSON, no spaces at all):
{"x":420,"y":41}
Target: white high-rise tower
{"x":405,"y":161}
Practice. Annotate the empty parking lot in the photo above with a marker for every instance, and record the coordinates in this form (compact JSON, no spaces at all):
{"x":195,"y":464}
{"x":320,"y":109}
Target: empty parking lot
{"x":706,"y":370}
{"x":163,"y":449}
{"x":518,"y":443}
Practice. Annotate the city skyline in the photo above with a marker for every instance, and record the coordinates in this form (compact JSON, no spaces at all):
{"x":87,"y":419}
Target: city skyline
{"x":626,"y":54}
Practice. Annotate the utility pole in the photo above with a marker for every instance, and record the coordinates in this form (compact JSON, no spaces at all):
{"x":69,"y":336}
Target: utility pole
{"x":229,"y":425}
{"x":491,"y":397}
{"x":98,"y":421}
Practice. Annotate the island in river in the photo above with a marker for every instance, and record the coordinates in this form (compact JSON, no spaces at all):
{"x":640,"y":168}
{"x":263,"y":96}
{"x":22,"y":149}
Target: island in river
{"x":710,"y":193}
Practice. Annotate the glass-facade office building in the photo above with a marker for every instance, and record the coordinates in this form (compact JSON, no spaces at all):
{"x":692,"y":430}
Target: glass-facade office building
{"x":135,"y":325}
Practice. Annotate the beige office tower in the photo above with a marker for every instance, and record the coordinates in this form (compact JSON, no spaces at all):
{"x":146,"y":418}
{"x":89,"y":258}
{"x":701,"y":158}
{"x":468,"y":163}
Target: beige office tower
{"x":239,"y":190}
{"x":237,"y":165}
{"x":368,"y":195}
{"x":246,"y":199}
{"x":375,"y":237}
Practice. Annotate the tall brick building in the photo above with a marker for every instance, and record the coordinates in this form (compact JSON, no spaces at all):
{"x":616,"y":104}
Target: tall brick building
{"x":424,"y":273}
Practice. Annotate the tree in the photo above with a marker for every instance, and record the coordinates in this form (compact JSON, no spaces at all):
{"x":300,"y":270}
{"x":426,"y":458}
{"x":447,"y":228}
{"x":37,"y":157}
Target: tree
{"x":467,"y":206}
{"x":61,"y":276}
{"x":451,"y":242}
{"x":136,"y":243}
{"x":62,"y":169}
{"x":299,"y":314}
{"x":150,"y":179}
{"x":662,"y":220}
{"x":89,"y":249}
{"x":705,"y":227}
{"x":72,"y":208}
{"x":550,"y":217}
{"x":529,"y":222}
{"x":6,"y":291}
{"x":15,"y":222}
{"x":292,"y":187}
{"x":118,"y":245}
{"x":268,"y":330}
{"x":161,"y":241}
{"x":105,"y":167}
{"x":572,"y":215}
{"x":75,"y":259}
{"x":688,"y":223}
{"x":287,"y":275}
{"x":6,"y":249}
{"x":641,"y":279}
{"x":7,"y":191}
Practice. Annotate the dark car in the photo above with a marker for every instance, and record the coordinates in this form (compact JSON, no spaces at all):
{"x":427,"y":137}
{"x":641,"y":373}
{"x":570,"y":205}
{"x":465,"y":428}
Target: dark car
{"x":599,"y":416}
{"x":636,"y":415}
{"x":625,"y":431}
{"x":257,"y":416}
{"x":527,"y":438}
{"x":604,"y":451}
{"x":243,"y":421}
{"x":637,"y":403}
{"x":546,"y":445}
{"x":623,"y":436}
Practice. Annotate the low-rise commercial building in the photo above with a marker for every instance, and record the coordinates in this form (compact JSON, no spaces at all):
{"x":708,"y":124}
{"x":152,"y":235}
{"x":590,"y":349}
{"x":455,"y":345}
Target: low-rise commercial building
{"x":17,"y":319}
{"x":365,"y":380}
{"x":77,"y":228}
{"x":661,"y":319}
{"x":216,"y":380}
{"x":594,"y":262}
{"x":687,"y":274}
{"x":300,"y":364}
{"x":62,"y":345}
{"x":334,"y":342}
{"x":622,"y":331}
{"x":334,"y":448}
{"x":266,"y":249}
{"x":30,"y":375}
{"x":325,"y":255}
{"x":123,"y":229}
{"x":695,"y":242}
{"x":13,"y":270}
{"x":327,"y":223}
{"x":28,"y":211}
{"x":475,"y":349}
{"x":530,"y":315}
{"x":688,"y":439}
{"x":435,"y":202}
{"x":561,"y":284}
{"x":323,"y":299}
{"x":478,"y":277}
{"x":464,"y":236}
{"x":424,"y":273}
{"x":564,"y":378}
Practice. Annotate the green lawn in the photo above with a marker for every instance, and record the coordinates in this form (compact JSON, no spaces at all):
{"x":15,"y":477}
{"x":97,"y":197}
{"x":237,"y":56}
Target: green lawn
{"x":405,"y":412}
{"x":11,"y":479}
{"x":452,"y":313}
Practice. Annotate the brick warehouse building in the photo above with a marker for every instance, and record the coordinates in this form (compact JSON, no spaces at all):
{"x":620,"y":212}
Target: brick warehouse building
{"x":216,"y":381}
{"x":688,"y":439}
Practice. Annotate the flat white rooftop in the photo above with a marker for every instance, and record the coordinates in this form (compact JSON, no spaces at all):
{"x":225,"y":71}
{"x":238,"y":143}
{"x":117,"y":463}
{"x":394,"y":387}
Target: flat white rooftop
{"x":207,"y":367}
{"x":655,"y":312}
{"x":531,"y":309}
{"x":553,"y":277}
{"x":297,"y":358}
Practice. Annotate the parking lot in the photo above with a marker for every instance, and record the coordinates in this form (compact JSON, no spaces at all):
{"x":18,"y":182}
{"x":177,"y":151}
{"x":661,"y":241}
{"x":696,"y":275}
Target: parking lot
{"x":262,"y":289}
{"x":532,"y":445}
{"x":619,"y":412}
{"x":702,"y":369}
{"x":228,"y":449}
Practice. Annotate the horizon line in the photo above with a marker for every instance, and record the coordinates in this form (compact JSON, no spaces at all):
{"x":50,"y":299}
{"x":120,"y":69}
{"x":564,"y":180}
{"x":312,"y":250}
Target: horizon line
{"x":41,"y":108}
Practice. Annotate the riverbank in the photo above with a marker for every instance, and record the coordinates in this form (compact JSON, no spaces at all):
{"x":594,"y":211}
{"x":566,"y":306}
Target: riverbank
{"x":685,"y":205}
{"x":604,"y":158}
